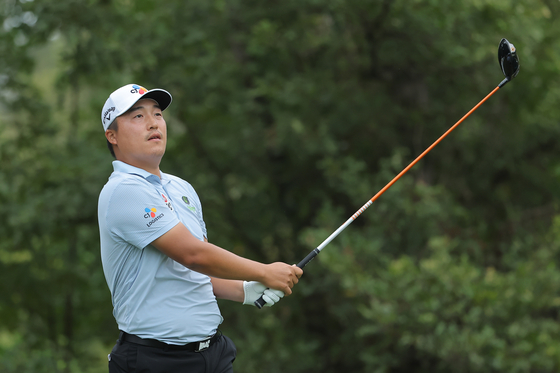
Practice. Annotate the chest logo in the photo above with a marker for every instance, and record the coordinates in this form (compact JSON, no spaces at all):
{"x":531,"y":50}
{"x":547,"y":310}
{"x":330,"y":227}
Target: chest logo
{"x":186,"y":200}
{"x":167,"y":202}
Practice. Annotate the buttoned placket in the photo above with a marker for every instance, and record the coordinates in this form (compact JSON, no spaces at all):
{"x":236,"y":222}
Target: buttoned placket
{"x":156,"y":181}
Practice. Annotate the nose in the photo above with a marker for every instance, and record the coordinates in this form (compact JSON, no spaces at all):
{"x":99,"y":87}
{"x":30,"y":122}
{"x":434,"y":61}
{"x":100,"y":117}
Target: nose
{"x":152,"y":123}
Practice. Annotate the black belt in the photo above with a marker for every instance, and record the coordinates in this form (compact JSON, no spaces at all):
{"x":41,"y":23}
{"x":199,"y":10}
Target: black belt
{"x":193,"y":346}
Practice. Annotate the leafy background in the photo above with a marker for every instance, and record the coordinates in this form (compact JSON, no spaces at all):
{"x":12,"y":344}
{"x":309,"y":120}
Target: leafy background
{"x":287,"y":117}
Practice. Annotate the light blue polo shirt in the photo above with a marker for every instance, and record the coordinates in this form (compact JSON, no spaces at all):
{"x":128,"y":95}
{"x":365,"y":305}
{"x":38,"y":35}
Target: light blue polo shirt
{"x":153,"y":296}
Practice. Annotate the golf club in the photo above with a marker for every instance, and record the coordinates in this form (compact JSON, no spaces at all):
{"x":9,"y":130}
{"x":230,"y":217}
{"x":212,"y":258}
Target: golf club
{"x":509,"y":63}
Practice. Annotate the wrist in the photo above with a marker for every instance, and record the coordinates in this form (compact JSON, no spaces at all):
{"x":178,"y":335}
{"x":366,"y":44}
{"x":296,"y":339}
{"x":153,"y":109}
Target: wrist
{"x":261,"y":273}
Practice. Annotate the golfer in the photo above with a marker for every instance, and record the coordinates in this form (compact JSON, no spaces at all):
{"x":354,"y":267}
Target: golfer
{"x":163,"y":275}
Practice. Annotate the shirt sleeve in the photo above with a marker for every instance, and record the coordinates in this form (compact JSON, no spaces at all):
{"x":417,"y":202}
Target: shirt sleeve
{"x":137,"y":213}
{"x":199,"y":213}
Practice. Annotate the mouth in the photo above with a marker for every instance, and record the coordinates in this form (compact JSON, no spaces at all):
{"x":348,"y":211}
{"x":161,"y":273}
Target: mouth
{"x":155,"y":136}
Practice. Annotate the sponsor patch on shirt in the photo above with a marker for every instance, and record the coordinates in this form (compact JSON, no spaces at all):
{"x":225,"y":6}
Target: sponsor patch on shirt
{"x":189,"y":206}
{"x":167,"y":202}
{"x":150,"y":213}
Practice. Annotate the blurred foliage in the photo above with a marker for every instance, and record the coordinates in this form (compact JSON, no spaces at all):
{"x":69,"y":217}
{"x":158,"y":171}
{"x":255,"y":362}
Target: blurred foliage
{"x":287,"y":117}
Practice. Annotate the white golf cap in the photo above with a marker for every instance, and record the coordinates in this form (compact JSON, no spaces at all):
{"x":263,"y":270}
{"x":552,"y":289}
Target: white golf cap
{"x":123,"y":98}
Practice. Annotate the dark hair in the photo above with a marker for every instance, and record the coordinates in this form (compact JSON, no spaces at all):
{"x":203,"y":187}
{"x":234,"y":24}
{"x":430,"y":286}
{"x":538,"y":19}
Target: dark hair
{"x":115,"y":127}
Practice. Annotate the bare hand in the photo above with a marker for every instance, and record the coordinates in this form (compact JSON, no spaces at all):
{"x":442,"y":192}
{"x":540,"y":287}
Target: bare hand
{"x":282,"y":276}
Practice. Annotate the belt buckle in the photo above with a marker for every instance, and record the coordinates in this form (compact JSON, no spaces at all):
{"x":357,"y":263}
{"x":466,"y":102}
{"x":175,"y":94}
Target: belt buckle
{"x":204,"y":345}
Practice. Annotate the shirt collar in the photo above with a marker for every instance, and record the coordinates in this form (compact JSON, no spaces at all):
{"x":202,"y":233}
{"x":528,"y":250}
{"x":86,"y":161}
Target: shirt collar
{"x":120,"y":166}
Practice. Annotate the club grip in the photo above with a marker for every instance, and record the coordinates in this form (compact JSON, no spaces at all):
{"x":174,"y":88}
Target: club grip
{"x":260,"y":302}
{"x":308,"y":258}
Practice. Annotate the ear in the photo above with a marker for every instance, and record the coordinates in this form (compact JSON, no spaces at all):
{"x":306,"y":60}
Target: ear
{"x":111,"y":136}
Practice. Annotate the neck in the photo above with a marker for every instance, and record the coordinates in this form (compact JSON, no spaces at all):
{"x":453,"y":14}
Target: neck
{"x":154,"y":171}
{"x":151,"y":167}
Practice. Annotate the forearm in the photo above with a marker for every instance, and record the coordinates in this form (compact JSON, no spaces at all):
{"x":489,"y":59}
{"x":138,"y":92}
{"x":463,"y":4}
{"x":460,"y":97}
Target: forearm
{"x":228,"y":289}
{"x":216,"y":262}
{"x":180,"y":245}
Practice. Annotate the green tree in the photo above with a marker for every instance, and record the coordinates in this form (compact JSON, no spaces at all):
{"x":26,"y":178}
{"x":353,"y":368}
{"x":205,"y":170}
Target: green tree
{"x":287,"y":117}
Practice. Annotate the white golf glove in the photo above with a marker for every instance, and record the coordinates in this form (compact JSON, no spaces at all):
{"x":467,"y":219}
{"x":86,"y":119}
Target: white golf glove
{"x":254,"y":290}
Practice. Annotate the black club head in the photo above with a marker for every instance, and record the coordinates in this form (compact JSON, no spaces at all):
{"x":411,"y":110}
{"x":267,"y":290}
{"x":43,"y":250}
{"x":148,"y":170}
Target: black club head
{"x":507,"y":57}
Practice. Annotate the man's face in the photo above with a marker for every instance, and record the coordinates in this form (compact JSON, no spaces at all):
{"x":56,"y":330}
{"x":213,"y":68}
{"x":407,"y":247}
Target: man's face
{"x":141,"y":136}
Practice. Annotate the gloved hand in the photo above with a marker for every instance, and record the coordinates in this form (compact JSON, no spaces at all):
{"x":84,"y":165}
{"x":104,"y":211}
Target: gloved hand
{"x":254,"y":290}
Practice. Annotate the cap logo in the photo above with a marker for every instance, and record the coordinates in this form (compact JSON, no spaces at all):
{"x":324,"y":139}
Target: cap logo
{"x":107,"y":114}
{"x":138,"y":89}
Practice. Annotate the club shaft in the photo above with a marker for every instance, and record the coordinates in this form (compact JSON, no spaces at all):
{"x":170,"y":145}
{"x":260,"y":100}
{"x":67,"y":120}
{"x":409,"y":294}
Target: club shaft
{"x":370,"y":202}
{"x":260,"y":302}
{"x":431,"y":146}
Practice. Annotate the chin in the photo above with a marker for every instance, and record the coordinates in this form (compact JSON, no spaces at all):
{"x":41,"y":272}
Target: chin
{"x":159,"y":149}
{"x":158,"y":152}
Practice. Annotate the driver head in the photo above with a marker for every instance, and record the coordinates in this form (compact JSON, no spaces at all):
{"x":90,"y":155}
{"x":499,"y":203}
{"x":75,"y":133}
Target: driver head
{"x":507,"y":57}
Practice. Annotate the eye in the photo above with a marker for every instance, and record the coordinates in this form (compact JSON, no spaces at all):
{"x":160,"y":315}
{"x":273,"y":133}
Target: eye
{"x":138,"y":116}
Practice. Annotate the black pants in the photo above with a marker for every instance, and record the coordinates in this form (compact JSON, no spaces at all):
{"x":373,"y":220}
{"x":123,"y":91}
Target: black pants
{"x":131,"y":358}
